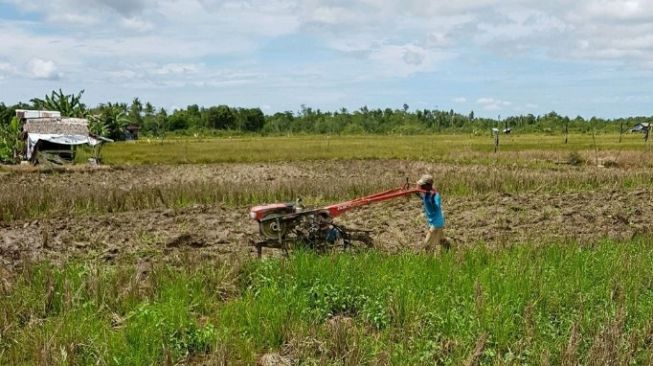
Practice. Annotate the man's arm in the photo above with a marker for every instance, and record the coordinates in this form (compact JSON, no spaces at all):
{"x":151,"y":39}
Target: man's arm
{"x":437,"y":200}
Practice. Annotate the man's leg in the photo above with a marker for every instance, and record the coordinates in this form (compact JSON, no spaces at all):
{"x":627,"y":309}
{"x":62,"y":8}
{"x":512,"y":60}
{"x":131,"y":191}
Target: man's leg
{"x":433,"y":239}
{"x":445,"y":242}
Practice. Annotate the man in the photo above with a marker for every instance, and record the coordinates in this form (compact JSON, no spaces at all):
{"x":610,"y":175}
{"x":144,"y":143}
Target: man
{"x":433,"y":210}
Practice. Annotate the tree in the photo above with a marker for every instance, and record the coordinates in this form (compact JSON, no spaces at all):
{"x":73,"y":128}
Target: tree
{"x":111,"y":120}
{"x":3,"y":114}
{"x":10,"y":144}
{"x":252,"y":119}
{"x":160,"y":123}
{"x":194,"y":116}
{"x":135,"y":114}
{"x":178,"y":120}
{"x":97,"y":126}
{"x":279,"y":122}
{"x":149,"y":120}
{"x":220,"y":117}
{"x":69,"y":105}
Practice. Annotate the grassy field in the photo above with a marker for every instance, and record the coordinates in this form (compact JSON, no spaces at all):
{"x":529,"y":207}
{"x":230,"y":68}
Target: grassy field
{"x":465,"y":166}
{"x":206,"y":301}
{"x":553,"y":303}
{"x":33,"y":195}
{"x":446,"y":148}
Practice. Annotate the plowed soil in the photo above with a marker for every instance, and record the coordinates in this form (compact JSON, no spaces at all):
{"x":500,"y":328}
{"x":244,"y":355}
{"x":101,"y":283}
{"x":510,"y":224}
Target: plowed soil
{"x":220,"y":231}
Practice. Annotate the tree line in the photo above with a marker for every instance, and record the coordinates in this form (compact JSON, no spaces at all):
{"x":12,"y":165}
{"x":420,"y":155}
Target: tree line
{"x":114,"y":120}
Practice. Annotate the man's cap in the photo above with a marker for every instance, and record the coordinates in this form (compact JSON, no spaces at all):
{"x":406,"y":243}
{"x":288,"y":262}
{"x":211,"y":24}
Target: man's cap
{"x":425,"y":179}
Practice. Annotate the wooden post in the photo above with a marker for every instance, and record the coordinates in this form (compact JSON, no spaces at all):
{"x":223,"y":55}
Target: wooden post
{"x":496,"y":134}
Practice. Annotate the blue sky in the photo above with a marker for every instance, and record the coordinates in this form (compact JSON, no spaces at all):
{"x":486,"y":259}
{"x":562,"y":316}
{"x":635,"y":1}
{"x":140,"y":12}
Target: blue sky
{"x":495,"y":57}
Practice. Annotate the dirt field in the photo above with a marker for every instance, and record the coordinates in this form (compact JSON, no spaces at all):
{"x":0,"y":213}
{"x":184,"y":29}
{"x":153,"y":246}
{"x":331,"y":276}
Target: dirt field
{"x":219,"y":230}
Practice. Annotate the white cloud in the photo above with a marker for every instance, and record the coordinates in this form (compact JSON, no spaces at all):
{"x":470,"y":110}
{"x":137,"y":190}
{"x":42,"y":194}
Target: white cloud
{"x":492,"y":104}
{"x":125,"y":7}
{"x":43,"y":69}
{"x":517,"y":25}
{"x":313,"y":45}
{"x":6,"y":67}
{"x":628,"y":10}
{"x":583,"y":29}
{"x":405,"y":60}
{"x":332,"y":15}
{"x":72,"y":20}
{"x":79,"y":7}
{"x":136,"y":24}
{"x":168,"y":69}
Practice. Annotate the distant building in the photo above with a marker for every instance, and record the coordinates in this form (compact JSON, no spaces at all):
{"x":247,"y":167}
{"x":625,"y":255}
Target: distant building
{"x":47,"y":131}
{"x":641,"y":127}
{"x":131,"y":131}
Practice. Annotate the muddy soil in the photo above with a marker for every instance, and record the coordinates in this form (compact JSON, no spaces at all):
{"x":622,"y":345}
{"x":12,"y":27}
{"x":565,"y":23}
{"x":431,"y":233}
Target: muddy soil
{"x":215,"y":231}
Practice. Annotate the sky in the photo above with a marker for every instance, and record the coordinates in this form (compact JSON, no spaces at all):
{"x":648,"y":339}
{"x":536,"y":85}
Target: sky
{"x":493,"y":57}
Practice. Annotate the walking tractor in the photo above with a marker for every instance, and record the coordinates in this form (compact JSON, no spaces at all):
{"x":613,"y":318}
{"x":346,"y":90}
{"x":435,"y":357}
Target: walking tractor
{"x":283,"y":224}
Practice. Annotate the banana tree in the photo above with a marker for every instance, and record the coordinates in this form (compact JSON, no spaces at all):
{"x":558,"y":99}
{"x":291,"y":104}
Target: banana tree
{"x":69,"y":105}
{"x":10,"y":143}
{"x":111,"y":120}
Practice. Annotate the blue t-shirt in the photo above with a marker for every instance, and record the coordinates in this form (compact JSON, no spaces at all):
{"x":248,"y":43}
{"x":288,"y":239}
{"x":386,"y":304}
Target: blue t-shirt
{"x":433,"y":209}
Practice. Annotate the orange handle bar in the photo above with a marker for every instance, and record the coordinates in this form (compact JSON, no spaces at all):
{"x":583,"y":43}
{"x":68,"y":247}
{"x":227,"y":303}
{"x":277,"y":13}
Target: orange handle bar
{"x":340,"y":208}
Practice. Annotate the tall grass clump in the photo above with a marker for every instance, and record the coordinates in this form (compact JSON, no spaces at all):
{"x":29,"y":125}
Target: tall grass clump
{"x":559,"y":303}
{"x":124,"y":315}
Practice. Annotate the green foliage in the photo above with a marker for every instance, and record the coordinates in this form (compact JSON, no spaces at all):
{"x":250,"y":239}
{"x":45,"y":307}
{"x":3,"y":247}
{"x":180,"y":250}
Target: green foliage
{"x":165,"y":324}
{"x":96,"y":315}
{"x":327,"y":301}
{"x":109,"y":120}
{"x":251,"y":119}
{"x":220,"y":117}
{"x":69,"y":105}
{"x":135,"y":113}
{"x":97,"y":126}
{"x":307,"y":120}
{"x":525,"y":304}
{"x":10,"y":142}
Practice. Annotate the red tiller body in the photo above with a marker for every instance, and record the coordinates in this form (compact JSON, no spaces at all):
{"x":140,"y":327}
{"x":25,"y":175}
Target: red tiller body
{"x":281,"y":224}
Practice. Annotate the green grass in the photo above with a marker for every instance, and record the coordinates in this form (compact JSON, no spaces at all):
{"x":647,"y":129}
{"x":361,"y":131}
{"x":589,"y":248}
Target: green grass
{"x":424,"y":147}
{"x":526,"y":304}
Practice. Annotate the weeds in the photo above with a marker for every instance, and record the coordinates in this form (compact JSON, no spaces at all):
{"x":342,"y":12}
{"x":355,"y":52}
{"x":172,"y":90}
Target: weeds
{"x":575,"y":159}
{"x":530,"y":304}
